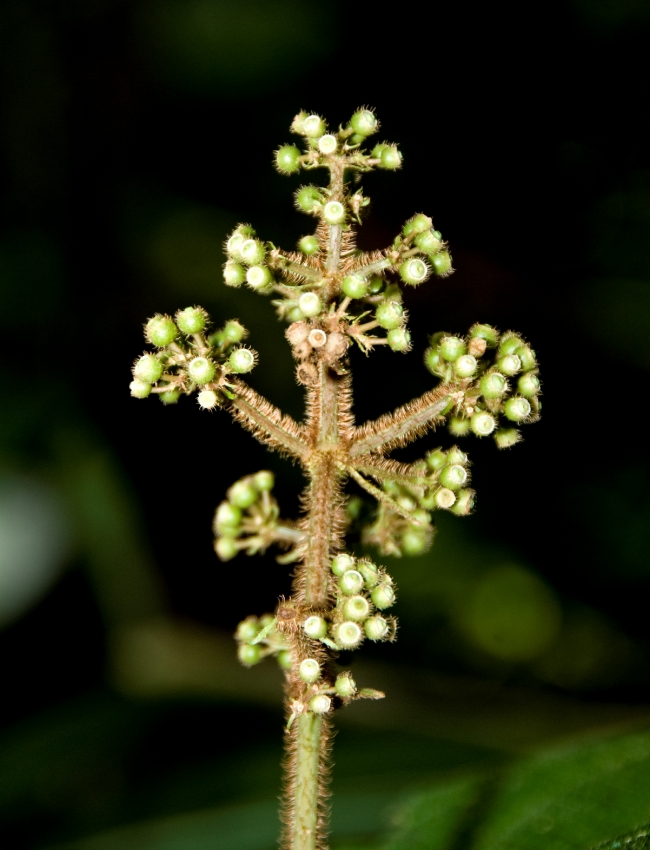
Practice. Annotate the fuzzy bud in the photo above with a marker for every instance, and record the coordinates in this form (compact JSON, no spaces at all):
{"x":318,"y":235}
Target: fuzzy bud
{"x":453,"y":476}
{"x":201,"y":370}
{"x":309,"y":670}
{"x":252,"y":252}
{"x":264,"y":480}
{"x":510,"y":343}
{"x":160,"y":330}
{"x":351,"y":582}
{"x":342,"y":563}
{"x":297,"y":333}
{"x":414,"y":271}
{"x":285,"y":660}
{"x":505,"y":438}
{"x":528,"y":384}
{"x":487,"y":333}
{"x":148,"y":369}
{"x":451,"y":348}
{"x":247,"y":629}
{"x":228,"y":516}
{"x":383,"y":596}
{"x":429,"y":242}
{"x":334,"y":212}
{"x":241,"y":360}
{"x":356,"y":608}
{"x":483,"y":424}
{"x":415,"y":541}
{"x":258,"y":277}
{"x":436,"y":459}
{"x":313,"y":126}
{"x":464,"y":503}
{"x":399,"y":339}
{"x":493,"y":385}
{"x":509,"y":364}
{"x":517,"y":408}
{"x":389,"y":315}
{"x":320,"y":704}
{"x":354,"y":286}
{"x":345,"y":685}
{"x":348,"y":635}
{"x":287,"y":159}
{"x":243,"y":494}
{"x":309,"y":199}
{"x":249,"y":655}
{"x":207,"y":399}
{"x":233,"y":331}
{"x":315,"y":627}
{"x":465,"y":366}
{"x":234,"y":274}
{"x":191,"y":320}
{"x":376,"y":628}
{"x":527,"y":356}
{"x":369,"y":572}
{"x":139,"y":389}
{"x":170,"y":396}
{"x":309,"y":245}
{"x":441,"y":263}
{"x":390,"y":157}
{"x":459,"y":426}
{"x":310,"y":304}
{"x":364,"y":122}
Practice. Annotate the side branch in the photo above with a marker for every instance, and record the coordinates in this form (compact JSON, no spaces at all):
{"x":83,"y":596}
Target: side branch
{"x":402,"y":426}
{"x":267,"y":423}
{"x":386,"y":469}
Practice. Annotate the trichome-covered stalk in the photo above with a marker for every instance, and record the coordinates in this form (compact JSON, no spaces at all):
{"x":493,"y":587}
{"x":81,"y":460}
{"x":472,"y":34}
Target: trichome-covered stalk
{"x":335,"y":297}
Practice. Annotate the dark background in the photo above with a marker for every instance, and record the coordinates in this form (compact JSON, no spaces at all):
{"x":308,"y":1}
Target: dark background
{"x":134,"y":136}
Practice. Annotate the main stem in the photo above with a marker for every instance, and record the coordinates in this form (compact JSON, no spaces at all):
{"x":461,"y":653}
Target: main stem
{"x":309,"y":737}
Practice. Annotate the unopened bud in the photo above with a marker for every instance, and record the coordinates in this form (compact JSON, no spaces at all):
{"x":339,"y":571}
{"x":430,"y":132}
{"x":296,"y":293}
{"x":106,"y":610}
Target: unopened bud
{"x":354,"y":286}
{"x":258,"y":277}
{"x":342,"y":563}
{"x":528,"y":384}
{"x":247,"y":629}
{"x":364,"y":122}
{"x":383,"y":596}
{"x":309,"y":670}
{"x":243,"y":494}
{"x":451,"y":348}
{"x":459,"y":426}
{"x":345,"y":685}
{"x":389,"y":315}
{"x":252,"y":252}
{"x":505,"y":438}
{"x":263,"y":480}
{"x":249,"y":655}
{"x":436,"y":459}
{"x":226,"y":548}
{"x":139,"y":389}
{"x":441,"y":263}
{"x":313,"y":126}
{"x":315,"y":627}
{"x":161,"y":330}
{"x":310,"y":304}
{"x":493,"y":385}
{"x":517,"y":408}
{"x":309,"y":245}
{"x":465,"y":366}
{"x":399,"y":339}
{"x":241,"y":360}
{"x":287,"y":159}
{"x":148,"y":369}
{"x":376,"y":628}
{"x":509,"y":364}
{"x":201,"y":370}
{"x":464,"y":503}
{"x":351,"y":582}
{"x":453,"y":476}
{"x":191,"y":320}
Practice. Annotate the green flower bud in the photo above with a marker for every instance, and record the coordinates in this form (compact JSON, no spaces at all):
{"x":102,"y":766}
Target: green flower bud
{"x":309,"y":670}
{"x":247,"y":629}
{"x":327,"y":144}
{"x":375,"y":285}
{"x":383,"y":596}
{"x":452,"y":347}
{"x":241,"y":360}
{"x":486,"y":332}
{"x":505,"y":438}
{"x":399,"y":339}
{"x":389,"y":315}
{"x":234,"y":331}
{"x":433,"y":361}
{"x":348,"y":635}
{"x":309,"y":198}
{"x":334,"y":212}
{"x":148,"y":369}
{"x":139,"y":389}
{"x":369,"y":572}
{"x":436,"y":459}
{"x":428,"y":242}
{"x":310,"y":304}
{"x":415,"y":541}
{"x":252,"y":252}
{"x":313,"y":126}
{"x":201,"y":370}
{"x":234,"y":274}
{"x":444,"y":498}
{"x":285,"y":660}
{"x":453,"y":476}
{"x":320,"y":704}
{"x":509,"y":344}
{"x":376,"y":628}
{"x":354,"y":286}
{"x":309,"y":245}
{"x":465,"y":366}
{"x":517,"y":408}
{"x":441,"y":263}
{"x":160,"y":330}
{"x":342,"y":563}
{"x":414,"y":271}
{"x":464,"y":503}
{"x":356,"y":608}
{"x":264,"y":480}
{"x":393,"y":293}
{"x":390,"y":157}
{"x":345,"y":685}
{"x":528,"y":384}
{"x":249,"y":655}
{"x":258,"y":277}
{"x":509,"y":364}
{"x":493,"y":385}
{"x":364,"y":122}
{"x":170,"y":396}
{"x":527,"y":356}
{"x":287,"y":159}
{"x":455,"y":455}
{"x":234,"y":244}
{"x":378,"y":150}
{"x":421,"y":223}
{"x":315,"y":627}
{"x":207,"y":399}
{"x":351,"y":582}
{"x":483,"y":424}
{"x":227,"y":516}
{"x":191,"y":320}
{"x":296,"y":124}
{"x":243,"y":494}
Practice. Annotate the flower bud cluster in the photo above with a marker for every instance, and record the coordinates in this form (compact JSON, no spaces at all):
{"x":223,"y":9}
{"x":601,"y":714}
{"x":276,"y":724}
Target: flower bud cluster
{"x":439,"y":482}
{"x":249,"y":519}
{"x":247,"y":261}
{"x":496,"y":380}
{"x":187,"y":360}
{"x":257,"y":638}
{"x":362,"y":592}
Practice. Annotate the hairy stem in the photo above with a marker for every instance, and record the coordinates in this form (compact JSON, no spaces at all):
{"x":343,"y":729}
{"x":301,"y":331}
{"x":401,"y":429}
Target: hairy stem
{"x":304,"y":820}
